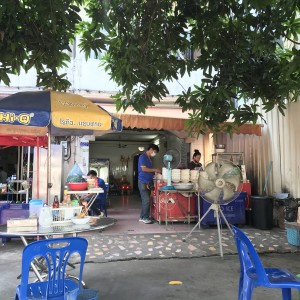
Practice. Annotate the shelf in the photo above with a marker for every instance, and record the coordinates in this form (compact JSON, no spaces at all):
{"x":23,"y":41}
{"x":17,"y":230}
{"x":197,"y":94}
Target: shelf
{"x":228,"y":153}
{"x":99,"y":191}
{"x":17,"y":181}
{"x":236,"y":157}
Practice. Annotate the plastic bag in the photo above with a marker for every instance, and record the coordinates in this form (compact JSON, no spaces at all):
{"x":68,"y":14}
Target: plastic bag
{"x":75,"y":175}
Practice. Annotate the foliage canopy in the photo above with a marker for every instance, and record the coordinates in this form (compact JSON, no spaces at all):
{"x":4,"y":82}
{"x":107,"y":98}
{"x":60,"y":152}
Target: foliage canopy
{"x":248,"y":50}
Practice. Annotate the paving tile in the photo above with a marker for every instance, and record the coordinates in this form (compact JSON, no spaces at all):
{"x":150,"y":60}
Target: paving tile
{"x":200,"y":243}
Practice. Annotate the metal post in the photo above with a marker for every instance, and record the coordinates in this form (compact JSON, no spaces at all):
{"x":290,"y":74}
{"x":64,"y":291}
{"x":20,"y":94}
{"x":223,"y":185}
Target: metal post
{"x":217,"y":208}
{"x":49,"y":184}
{"x":28,"y":174}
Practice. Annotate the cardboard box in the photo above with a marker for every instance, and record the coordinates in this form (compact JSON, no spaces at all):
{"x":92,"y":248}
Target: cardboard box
{"x":22,"y":222}
{"x":22,"y":229}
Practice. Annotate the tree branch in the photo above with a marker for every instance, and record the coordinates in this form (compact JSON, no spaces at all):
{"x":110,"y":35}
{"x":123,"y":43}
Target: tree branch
{"x":297,"y":43}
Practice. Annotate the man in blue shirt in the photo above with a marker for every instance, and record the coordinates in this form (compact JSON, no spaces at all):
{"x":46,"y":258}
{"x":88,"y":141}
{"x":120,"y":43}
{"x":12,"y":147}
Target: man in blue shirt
{"x":99,"y":205}
{"x":145,"y":177}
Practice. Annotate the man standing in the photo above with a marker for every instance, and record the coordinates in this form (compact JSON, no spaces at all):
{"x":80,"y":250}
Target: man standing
{"x":145,"y":177}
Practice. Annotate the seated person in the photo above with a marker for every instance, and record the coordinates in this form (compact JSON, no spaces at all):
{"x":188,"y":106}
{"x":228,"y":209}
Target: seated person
{"x":99,"y":205}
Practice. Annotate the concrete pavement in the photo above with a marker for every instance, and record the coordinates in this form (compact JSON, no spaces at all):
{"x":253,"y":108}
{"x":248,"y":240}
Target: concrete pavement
{"x":205,"y":278}
{"x":124,"y":267}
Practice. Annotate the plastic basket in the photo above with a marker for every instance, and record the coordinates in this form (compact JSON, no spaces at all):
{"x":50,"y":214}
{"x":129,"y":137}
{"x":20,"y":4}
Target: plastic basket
{"x":88,"y":294}
{"x":64,"y":214}
{"x":293,"y":236}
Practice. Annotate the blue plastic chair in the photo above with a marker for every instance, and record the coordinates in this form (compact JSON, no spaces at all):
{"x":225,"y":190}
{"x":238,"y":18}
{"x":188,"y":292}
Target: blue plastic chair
{"x":56,"y":253}
{"x":253,"y":274}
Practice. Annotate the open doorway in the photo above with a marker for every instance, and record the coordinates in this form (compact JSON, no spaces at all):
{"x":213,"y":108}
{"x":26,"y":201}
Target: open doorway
{"x":135,"y":172}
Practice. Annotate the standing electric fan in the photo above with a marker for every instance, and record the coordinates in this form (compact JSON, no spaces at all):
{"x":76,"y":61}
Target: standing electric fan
{"x":171,"y":160}
{"x":219,"y":185}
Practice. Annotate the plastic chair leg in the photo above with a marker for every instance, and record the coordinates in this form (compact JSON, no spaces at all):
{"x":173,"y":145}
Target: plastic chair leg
{"x":240,"y":288}
{"x":286,"y":294}
{"x":246,"y":290}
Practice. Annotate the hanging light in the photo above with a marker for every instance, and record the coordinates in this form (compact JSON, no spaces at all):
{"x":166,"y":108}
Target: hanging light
{"x":141,"y":148}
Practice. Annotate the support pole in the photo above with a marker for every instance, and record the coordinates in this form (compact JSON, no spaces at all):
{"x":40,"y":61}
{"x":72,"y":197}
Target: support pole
{"x":28,"y":174}
{"x":38,"y":169}
{"x":49,"y":184}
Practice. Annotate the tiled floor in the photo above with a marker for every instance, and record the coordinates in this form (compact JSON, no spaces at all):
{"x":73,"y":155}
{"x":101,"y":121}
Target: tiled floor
{"x":131,"y":239}
{"x":126,"y":209}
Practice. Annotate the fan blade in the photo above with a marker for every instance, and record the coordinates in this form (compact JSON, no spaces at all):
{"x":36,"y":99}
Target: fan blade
{"x":234,"y":180}
{"x":210,"y":169}
{"x":205,"y":185}
{"x":213,"y":195}
{"x":228,"y":193}
{"x":225,"y":168}
{"x":175,"y":157}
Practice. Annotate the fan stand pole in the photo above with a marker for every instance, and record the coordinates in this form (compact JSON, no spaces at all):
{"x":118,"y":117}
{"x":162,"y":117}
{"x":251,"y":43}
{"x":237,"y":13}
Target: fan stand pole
{"x":198,"y":223}
{"x":218,"y":211}
{"x":225,"y":220}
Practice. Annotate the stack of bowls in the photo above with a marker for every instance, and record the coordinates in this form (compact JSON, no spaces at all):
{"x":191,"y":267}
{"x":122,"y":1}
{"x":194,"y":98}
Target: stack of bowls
{"x":220,"y":148}
{"x":164,"y":174}
{"x":185,"y":175}
{"x":176,"y":175}
{"x":194,"y":175}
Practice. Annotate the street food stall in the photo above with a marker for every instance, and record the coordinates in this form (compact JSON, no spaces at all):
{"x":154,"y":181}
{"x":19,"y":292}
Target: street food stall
{"x":35,"y":118}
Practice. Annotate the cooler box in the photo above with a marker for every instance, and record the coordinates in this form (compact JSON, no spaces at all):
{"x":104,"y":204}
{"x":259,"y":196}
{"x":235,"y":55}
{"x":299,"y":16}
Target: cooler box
{"x":234,"y":211}
{"x":176,"y":204}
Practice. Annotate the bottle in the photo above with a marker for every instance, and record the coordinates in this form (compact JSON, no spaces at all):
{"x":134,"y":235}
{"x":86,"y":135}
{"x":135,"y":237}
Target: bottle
{"x":66,"y":201}
{"x":55,"y":212}
{"x":55,"y":203}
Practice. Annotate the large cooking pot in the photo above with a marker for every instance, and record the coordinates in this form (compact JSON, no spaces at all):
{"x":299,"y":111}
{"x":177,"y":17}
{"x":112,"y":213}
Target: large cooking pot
{"x":183,"y":186}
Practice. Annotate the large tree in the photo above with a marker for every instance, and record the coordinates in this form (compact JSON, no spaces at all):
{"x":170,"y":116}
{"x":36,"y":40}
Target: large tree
{"x":247,"y":50}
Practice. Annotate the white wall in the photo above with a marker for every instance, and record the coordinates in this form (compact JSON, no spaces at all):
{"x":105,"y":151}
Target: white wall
{"x":283,"y":134}
{"x":90,"y":76}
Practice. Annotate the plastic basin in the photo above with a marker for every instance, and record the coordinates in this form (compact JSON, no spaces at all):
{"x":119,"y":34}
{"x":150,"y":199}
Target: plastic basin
{"x":78,"y":186}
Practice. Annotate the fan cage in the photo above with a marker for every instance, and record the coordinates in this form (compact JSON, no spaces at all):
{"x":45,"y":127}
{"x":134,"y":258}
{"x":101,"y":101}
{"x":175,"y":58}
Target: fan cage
{"x":176,"y":158}
{"x":218,"y":183}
